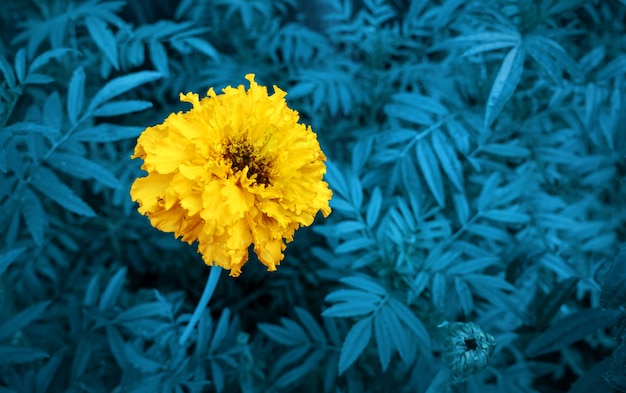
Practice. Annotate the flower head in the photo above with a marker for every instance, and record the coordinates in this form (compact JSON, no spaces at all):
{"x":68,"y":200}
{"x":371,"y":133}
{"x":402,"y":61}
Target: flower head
{"x":467,"y":349}
{"x":236,"y":169}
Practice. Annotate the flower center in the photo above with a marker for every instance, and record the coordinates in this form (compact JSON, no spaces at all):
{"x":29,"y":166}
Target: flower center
{"x":470,"y":344}
{"x":242,"y":155}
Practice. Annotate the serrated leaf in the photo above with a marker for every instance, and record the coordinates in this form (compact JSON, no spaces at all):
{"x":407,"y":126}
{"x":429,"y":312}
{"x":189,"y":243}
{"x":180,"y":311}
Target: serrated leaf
{"x":419,"y":283}
{"x":504,"y":85}
{"x":342,"y":205}
{"x":354,"y":245}
{"x":184,"y":8}
{"x":373,"y":207}
{"x":310,"y":324}
{"x":555,"y":221}
{"x":448,"y":160}
{"x":348,"y":227}
{"x":353,"y":295}
{"x":205,"y":329}
{"x":53,"y":111}
{"x":429,"y":167}
{"x":126,"y":354}
{"x":599,"y":177}
{"x":21,"y":319}
{"x":203,"y":47}
{"x":335,"y":179}
{"x":558,"y":156}
{"x":472,"y":265}
{"x":570,"y":329}
{"x":547,"y":306}
{"x":112,"y":290}
{"x":7,"y":71}
{"x":397,"y":136}
{"x":20,"y":65}
{"x":489,"y":46}
{"x":38,"y":79}
{"x":438,"y":261}
{"x":459,"y":134}
{"x":46,"y":56}
{"x":92,"y":291}
{"x":362,"y":152}
{"x":301,"y":89}
{"x":477,"y":38}
{"x":117,"y":108}
{"x":438,"y":290}
{"x":121,"y":85}
{"x":104,"y":39}
{"x":144,"y":311}
{"x":221,"y":329}
{"x":365,"y":284}
{"x":47,"y":182}
{"x":506,"y":150}
{"x":407,"y":113}
{"x":484,"y":280}
{"x":47,"y":372}
{"x":19,"y":355}
{"x":420,"y":102}
{"x":599,"y":242}
{"x":330,"y":373}
{"x":280,"y":334}
{"x":445,"y":13}
{"x":355,"y":191}
{"x":563,"y":6}
{"x":409,"y":320}
{"x":76,"y":95}
{"x":396,"y":332}
{"x":311,"y":362}
{"x":292,"y":356}
{"x":558,"y":265}
{"x":218,"y":375}
{"x":461,"y":206}
{"x":613,"y":293}
{"x":352,"y":309}
{"x":383,"y":339}
{"x":365,"y":260}
{"x":356,"y":340}
{"x":466,"y":300}
{"x":615,"y":68}
{"x":506,"y":216}
{"x":551,"y":52}
{"x":106,"y":133}
{"x":487,"y":192}
{"x":9,"y":257}
{"x":135,"y":54}
{"x":117,"y":344}
{"x":545,"y":61}
{"x":159,"y":58}
{"x":25,"y":128}
{"x":83,"y":168}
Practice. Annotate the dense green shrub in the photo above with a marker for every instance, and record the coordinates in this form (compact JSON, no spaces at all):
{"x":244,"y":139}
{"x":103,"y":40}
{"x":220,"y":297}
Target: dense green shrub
{"x":476,"y":156}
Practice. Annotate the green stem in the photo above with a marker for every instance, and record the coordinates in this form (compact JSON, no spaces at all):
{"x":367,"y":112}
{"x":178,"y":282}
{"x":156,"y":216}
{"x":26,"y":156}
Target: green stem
{"x":204,"y":300}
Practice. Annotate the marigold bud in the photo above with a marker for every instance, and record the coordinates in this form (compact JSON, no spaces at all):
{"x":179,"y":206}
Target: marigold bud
{"x":467,"y":349}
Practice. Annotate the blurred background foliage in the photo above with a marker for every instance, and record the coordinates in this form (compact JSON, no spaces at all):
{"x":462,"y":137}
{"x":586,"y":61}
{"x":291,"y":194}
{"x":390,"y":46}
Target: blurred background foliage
{"x":476,"y":154}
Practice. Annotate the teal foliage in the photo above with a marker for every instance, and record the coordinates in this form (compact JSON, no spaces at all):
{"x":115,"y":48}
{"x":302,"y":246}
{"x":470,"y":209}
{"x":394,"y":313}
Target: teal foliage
{"x":476,"y":157}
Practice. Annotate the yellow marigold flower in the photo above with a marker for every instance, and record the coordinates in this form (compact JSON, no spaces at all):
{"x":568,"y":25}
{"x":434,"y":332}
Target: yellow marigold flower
{"x":236,"y":169}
